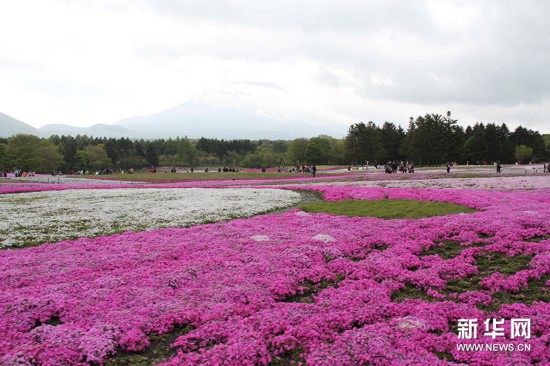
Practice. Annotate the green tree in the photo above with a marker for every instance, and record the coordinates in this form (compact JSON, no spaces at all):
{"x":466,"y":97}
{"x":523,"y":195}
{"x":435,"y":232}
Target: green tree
{"x":317,"y":151}
{"x":533,"y":139}
{"x":151,"y":155}
{"x":81,"y":159}
{"x":232,"y":158}
{"x":68,"y":149}
{"x":97,"y":157}
{"x":476,"y":146}
{"x":337,"y":153}
{"x":264,"y":158}
{"x":187,"y":152}
{"x":252,"y":160}
{"x":31,"y":153}
{"x":392,"y":139}
{"x":434,"y":139}
{"x":296,"y":153}
{"x":494,"y":149}
{"x":112,"y":151}
{"x":523,"y":153}
{"x":139,"y":149}
{"x":506,"y":147}
{"x":454,"y":139}
{"x":364,"y":143}
{"x":3,"y":155}
{"x":280,"y":146}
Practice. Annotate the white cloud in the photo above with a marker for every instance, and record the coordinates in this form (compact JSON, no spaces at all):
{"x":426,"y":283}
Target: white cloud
{"x":85,"y":62}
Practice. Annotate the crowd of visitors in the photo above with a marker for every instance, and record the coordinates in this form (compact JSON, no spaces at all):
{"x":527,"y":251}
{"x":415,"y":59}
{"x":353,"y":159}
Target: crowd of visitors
{"x":390,"y":167}
{"x":395,"y":166}
{"x":22,"y":173}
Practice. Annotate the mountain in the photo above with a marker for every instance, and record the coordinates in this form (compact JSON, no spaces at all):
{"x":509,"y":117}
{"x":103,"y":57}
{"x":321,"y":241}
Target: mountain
{"x":97,"y":130}
{"x":10,"y":126}
{"x":245,"y":110}
{"x":237,"y":111}
{"x":196,"y":119}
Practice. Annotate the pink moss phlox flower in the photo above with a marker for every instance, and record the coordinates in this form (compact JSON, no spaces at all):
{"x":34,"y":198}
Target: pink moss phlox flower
{"x":377,"y":293}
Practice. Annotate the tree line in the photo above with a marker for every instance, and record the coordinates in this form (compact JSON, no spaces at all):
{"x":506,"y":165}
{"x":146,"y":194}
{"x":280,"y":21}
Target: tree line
{"x":432,"y":139}
{"x":435,"y":139}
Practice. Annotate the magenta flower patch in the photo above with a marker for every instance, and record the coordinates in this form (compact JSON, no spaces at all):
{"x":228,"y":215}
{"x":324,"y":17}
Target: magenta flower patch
{"x":318,"y":288}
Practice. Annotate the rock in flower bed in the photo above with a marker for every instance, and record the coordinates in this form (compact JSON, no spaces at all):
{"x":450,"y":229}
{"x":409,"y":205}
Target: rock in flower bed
{"x":316,"y":288}
{"x":34,"y":218}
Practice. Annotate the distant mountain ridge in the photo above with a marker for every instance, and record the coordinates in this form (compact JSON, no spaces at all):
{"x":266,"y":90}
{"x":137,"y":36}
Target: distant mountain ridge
{"x":10,"y":126}
{"x":97,"y":130}
{"x":222,"y":123}
{"x":236,"y":111}
{"x":197,"y":118}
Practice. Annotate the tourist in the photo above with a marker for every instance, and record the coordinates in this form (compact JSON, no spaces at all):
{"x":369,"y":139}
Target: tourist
{"x":313,"y":170}
{"x":498,"y":167}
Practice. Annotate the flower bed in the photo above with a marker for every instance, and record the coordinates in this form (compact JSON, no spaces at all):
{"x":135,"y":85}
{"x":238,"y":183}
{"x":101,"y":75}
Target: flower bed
{"x":441,"y":181}
{"x":34,"y":218}
{"x":317,"y":288}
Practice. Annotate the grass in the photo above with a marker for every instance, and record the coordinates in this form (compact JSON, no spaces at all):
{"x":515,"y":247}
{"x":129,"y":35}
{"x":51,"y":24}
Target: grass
{"x":213,"y":174}
{"x":158,"y":351}
{"x":290,"y":357}
{"x":310,"y":289}
{"x":487,"y":264}
{"x":26,"y":200}
{"x":386,"y":208}
{"x":411,"y":292}
{"x":536,"y":290}
{"x":448,"y":249}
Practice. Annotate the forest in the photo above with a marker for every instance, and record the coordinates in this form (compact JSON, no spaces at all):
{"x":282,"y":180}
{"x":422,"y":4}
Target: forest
{"x":429,"y":140}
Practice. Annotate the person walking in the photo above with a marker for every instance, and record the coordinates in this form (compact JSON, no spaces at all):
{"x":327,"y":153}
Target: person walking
{"x":498,"y":167}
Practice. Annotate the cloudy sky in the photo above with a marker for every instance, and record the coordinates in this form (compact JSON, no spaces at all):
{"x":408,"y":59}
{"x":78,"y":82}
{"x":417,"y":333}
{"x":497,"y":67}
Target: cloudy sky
{"x":82,"y":62}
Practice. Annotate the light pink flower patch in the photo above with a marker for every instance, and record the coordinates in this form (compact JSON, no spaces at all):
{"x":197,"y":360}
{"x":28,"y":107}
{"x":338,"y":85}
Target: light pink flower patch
{"x":259,"y":238}
{"x":325,"y":238}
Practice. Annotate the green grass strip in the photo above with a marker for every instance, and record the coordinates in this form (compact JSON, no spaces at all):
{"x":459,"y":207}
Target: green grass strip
{"x":386,"y":208}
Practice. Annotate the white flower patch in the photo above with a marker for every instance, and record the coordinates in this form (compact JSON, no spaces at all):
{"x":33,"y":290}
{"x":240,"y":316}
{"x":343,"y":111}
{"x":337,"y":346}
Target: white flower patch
{"x":34,"y":218}
{"x":429,"y":181}
{"x":259,"y":238}
{"x":302,"y":213}
{"x":325,"y":238}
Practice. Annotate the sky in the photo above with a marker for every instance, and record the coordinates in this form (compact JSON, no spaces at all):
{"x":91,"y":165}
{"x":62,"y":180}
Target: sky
{"x":82,"y":62}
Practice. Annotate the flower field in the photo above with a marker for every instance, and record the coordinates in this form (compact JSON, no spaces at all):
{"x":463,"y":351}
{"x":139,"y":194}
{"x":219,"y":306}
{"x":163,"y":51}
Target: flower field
{"x":281,"y":288}
{"x":40,"y":217}
{"x":485,"y":183}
